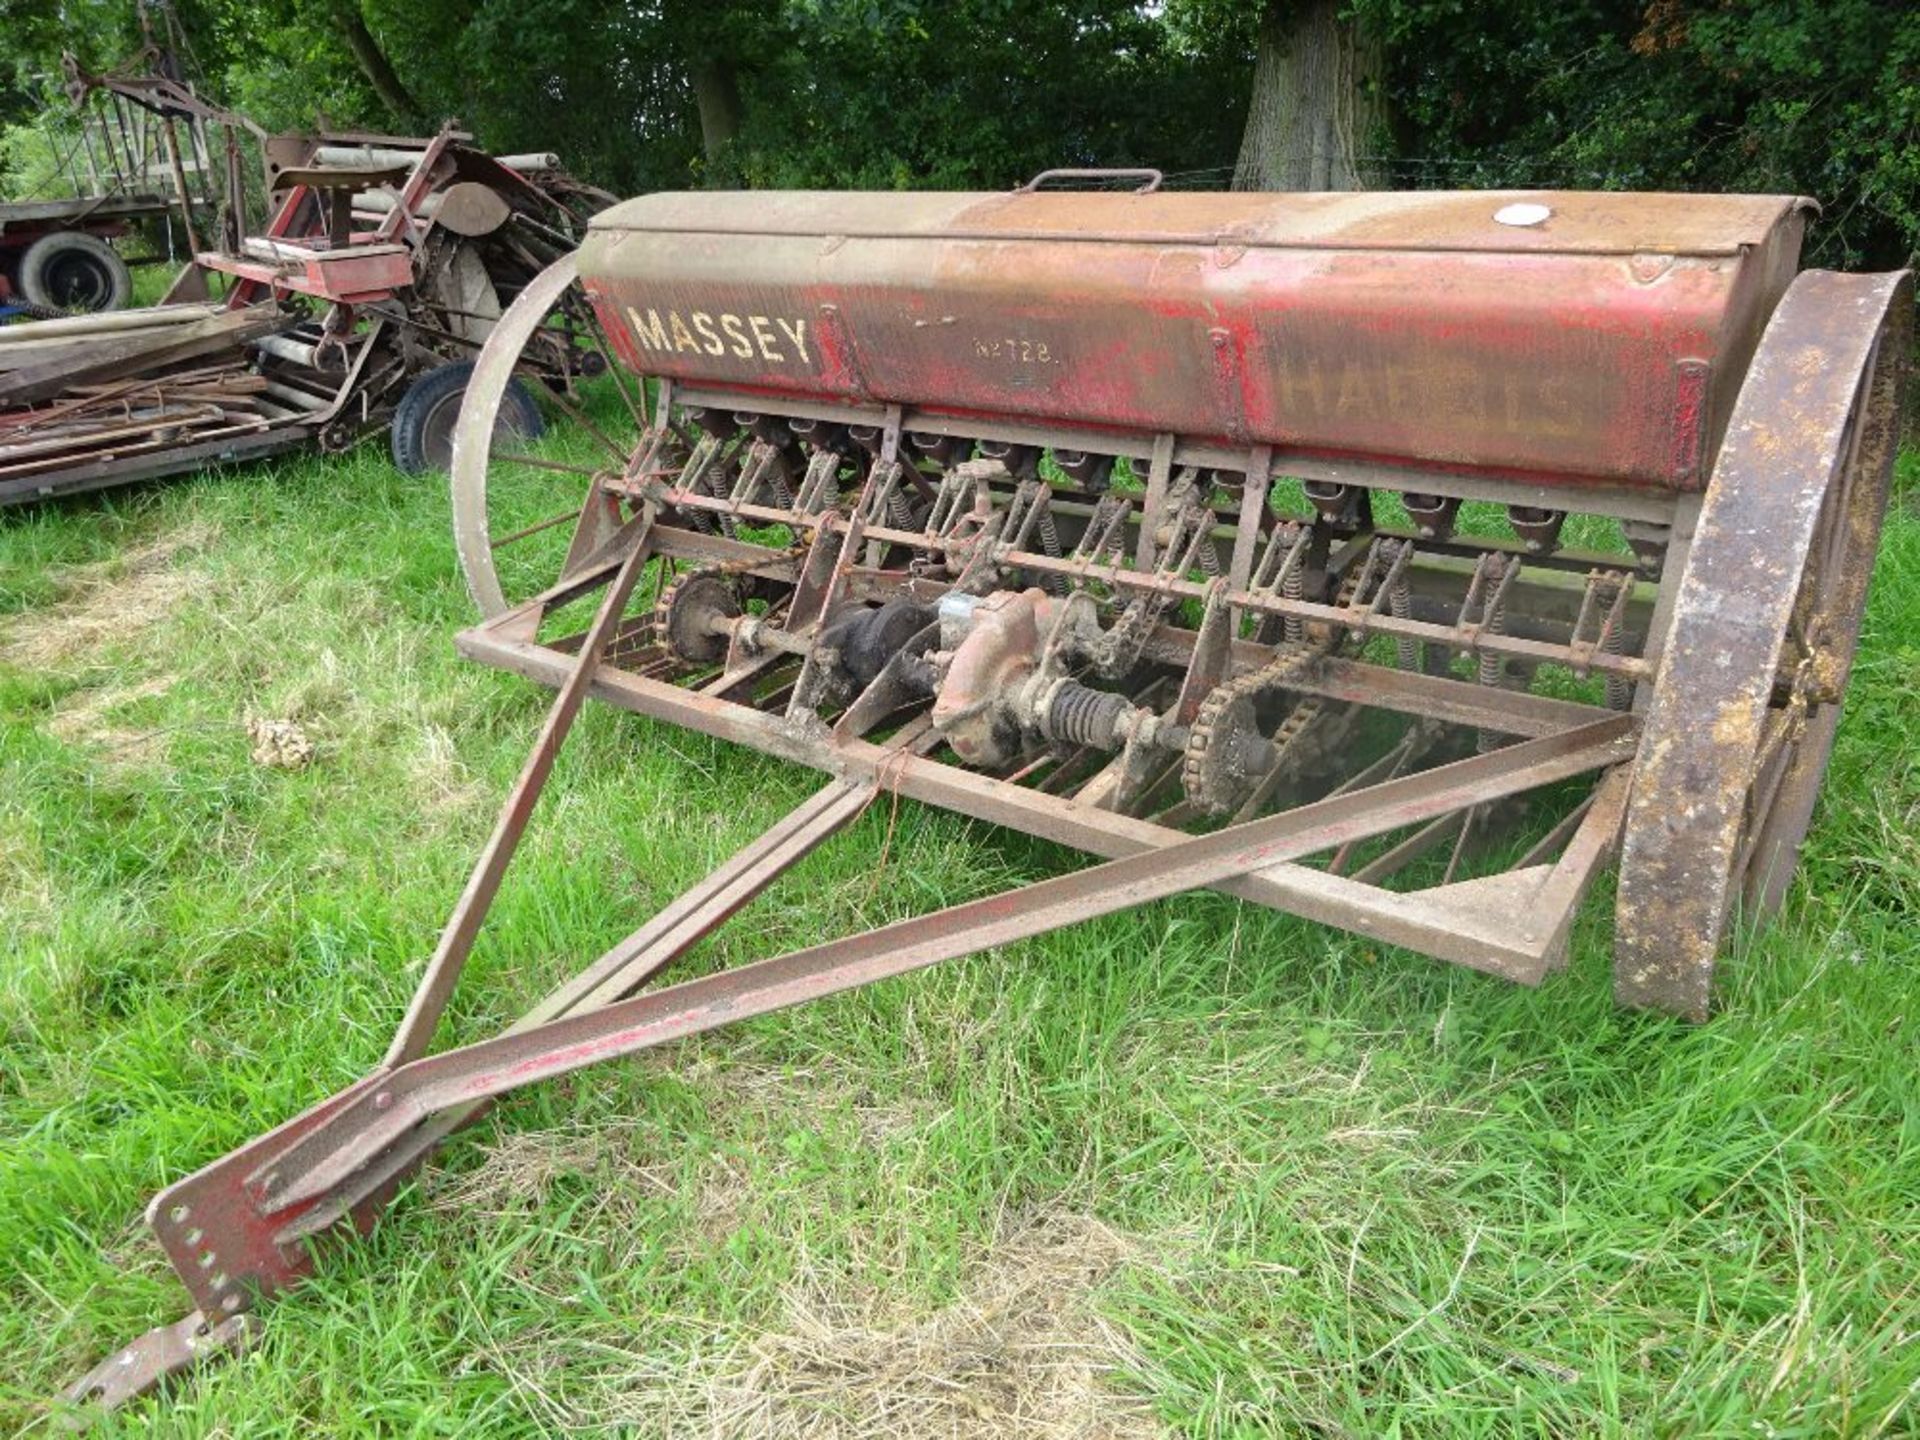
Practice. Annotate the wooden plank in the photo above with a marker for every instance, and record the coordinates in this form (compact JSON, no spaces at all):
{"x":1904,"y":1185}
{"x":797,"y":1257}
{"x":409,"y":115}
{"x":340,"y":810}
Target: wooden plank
{"x":116,"y":357}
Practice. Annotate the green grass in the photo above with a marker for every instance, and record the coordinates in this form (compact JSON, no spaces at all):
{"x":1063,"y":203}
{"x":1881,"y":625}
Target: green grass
{"x":1200,"y":1167}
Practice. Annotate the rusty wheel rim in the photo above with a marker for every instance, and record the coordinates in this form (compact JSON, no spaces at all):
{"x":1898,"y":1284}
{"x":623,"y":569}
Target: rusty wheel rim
{"x":1744,"y":713}
{"x":517,"y":505}
{"x":1829,"y":614}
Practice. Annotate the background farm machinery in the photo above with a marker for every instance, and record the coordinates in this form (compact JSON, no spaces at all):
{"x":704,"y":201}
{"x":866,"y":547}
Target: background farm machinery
{"x":381,"y":270}
{"x":1390,"y":560}
{"x":55,"y":257}
{"x":116,"y":165}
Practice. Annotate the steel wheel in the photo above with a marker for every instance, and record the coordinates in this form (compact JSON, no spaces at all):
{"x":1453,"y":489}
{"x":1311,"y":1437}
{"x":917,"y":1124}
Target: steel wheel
{"x":1763,"y":636}
{"x":517,"y":504}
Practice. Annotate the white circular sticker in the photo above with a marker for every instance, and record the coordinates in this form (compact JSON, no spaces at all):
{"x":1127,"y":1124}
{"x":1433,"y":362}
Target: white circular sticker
{"x":1524,"y":213}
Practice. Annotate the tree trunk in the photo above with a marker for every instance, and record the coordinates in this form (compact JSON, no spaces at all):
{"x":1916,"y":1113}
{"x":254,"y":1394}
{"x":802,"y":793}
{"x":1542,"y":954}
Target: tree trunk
{"x":373,"y":62}
{"x":1317,"y":102}
{"x":716,"y":88}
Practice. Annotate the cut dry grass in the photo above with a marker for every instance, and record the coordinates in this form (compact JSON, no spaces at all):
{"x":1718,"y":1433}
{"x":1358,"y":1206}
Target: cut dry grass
{"x":1199,"y":1170}
{"x":110,"y":603}
{"x":1021,"y":1349}
{"x":99,"y":720}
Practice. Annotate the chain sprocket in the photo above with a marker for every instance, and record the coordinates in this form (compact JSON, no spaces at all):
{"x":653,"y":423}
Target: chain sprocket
{"x":1215,"y":771}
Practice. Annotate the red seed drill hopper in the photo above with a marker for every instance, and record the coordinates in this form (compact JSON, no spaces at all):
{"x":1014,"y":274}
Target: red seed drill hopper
{"x":1395,"y":560}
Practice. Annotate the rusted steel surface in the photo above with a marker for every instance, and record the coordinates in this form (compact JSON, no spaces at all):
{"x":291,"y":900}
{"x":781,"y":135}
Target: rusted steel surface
{"x":409,"y":1095}
{"x":492,"y":373}
{"x":219,"y":1225}
{"x":1501,"y":935}
{"x":348,"y":277}
{"x":163,"y":1351}
{"x":249,"y":1210}
{"x":1763,"y":634}
{"x":1604,"y":342}
{"x":436,"y":986}
{"x":1113,"y":598}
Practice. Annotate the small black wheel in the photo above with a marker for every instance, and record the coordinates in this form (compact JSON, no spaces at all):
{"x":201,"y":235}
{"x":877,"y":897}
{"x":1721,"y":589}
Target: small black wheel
{"x":69,"y":270}
{"x":423,"y":421}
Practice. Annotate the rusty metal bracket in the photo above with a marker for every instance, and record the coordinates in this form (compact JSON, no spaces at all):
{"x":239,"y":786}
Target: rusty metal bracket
{"x":159,"y":1355}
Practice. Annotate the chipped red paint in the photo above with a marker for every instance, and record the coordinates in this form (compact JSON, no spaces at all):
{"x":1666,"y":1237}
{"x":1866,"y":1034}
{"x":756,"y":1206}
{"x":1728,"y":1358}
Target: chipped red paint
{"x":1689,"y":419}
{"x":1602,"y":346}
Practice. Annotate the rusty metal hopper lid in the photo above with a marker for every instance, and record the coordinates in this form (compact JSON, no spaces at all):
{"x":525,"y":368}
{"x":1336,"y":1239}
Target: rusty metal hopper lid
{"x":1494,"y":221}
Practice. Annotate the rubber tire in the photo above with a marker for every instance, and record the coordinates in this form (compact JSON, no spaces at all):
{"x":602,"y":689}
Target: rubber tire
{"x":423,"y":421}
{"x":36,"y":265}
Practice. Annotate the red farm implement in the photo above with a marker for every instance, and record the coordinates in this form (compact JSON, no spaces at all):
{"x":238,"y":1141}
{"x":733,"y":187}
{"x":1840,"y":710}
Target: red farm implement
{"x":360,"y":305}
{"x":1396,"y":561}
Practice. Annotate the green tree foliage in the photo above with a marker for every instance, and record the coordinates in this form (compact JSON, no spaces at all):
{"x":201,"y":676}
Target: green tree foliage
{"x":1821,"y":97}
{"x":609,"y":87}
{"x":831,"y":92}
{"x":987,"y":93}
{"x":1816,"y":96}
{"x":33,"y":33}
